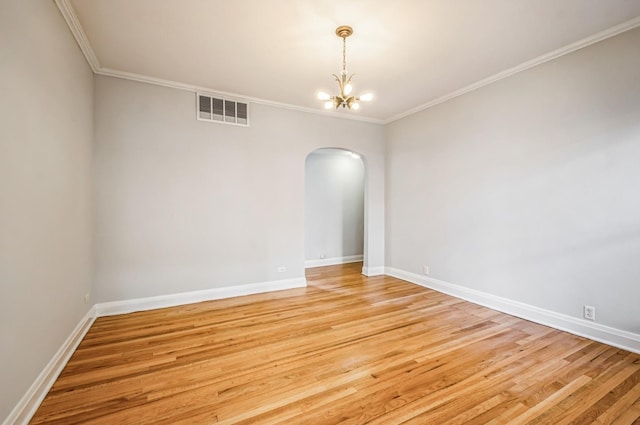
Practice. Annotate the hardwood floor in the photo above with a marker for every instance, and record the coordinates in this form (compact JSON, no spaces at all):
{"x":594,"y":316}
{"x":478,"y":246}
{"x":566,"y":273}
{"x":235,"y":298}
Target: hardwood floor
{"x":347,"y":349}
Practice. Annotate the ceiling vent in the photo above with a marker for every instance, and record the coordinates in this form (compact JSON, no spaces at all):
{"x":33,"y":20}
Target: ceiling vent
{"x":217,"y":109}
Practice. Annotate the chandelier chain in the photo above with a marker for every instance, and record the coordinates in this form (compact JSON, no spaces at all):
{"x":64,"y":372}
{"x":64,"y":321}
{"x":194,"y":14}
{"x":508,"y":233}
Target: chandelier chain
{"x":344,"y":55}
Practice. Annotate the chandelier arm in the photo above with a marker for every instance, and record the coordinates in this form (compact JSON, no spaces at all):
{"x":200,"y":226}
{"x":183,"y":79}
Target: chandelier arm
{"x":341,"y":84}
{"x":349,"y":79}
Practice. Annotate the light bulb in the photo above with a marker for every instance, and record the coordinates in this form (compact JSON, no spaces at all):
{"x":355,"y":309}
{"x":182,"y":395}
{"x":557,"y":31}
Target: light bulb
{"x":355,"y":106}
{"x":328,"y":104}
{"x":323,"y":96}
{"x":347,"y":89}
{"x":366,"y":97}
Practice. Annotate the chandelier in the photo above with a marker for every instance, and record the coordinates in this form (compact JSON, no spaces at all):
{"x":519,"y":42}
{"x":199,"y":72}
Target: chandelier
{"x":344,"y":99}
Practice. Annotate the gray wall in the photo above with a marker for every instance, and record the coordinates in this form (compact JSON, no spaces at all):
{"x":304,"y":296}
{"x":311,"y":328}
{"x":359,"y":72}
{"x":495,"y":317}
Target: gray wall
{"x":528,"y":188}
{"x":46,"y":129}
{"x":334,"y":204}
{"x":184,"y":205}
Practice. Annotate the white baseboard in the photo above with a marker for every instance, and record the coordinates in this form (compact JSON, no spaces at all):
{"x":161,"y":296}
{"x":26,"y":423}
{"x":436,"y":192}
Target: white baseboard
{"x":373,"y":271}
{"x":27,"y":406}
{"x":332,"y":261}
{"x":605,"y":334}
{"x":29,"y":403}
{"x":162,"y":301}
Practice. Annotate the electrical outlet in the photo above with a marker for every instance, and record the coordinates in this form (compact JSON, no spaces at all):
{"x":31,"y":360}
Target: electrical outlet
{"x":425,"y":270}
{"x":282,"y":269}
{"x":86,"y":298}
{"x":589,"y":312}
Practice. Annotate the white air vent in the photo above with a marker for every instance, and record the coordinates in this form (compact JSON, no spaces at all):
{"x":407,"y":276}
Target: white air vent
{"x":216,"y":109}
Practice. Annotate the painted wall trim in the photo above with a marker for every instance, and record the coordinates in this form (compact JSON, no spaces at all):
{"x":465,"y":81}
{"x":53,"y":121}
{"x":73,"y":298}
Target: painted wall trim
{"x":585,"y":42}
{"x":81,"y":38}
{"x":373,"y":271}
{"x":332,"y":261}
{"x":192,"y":88}
{"x":597,"y":332}
{"x":171,"y":300}
{"x":29,"y":403}
{"x":78,"y":32}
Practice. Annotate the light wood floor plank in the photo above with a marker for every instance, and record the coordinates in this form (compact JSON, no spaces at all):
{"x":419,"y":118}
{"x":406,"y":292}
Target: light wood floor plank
{"x":345,"y":350}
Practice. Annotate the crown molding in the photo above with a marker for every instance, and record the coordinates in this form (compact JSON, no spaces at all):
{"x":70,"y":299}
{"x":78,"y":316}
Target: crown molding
{"x":201,"y":89}
{"x":78,"y":33}
{"x":67,"y":11}
{"x":585,"y":42}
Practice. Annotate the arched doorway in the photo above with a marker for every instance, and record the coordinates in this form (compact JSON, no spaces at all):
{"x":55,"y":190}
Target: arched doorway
{"x":334,"y":207}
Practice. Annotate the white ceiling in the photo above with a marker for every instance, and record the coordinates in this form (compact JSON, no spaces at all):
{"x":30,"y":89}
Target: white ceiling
{"x":407,"y":52}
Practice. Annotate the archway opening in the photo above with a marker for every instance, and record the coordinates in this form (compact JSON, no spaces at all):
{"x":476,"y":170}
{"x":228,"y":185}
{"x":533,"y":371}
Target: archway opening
{"x":334,"y":207}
